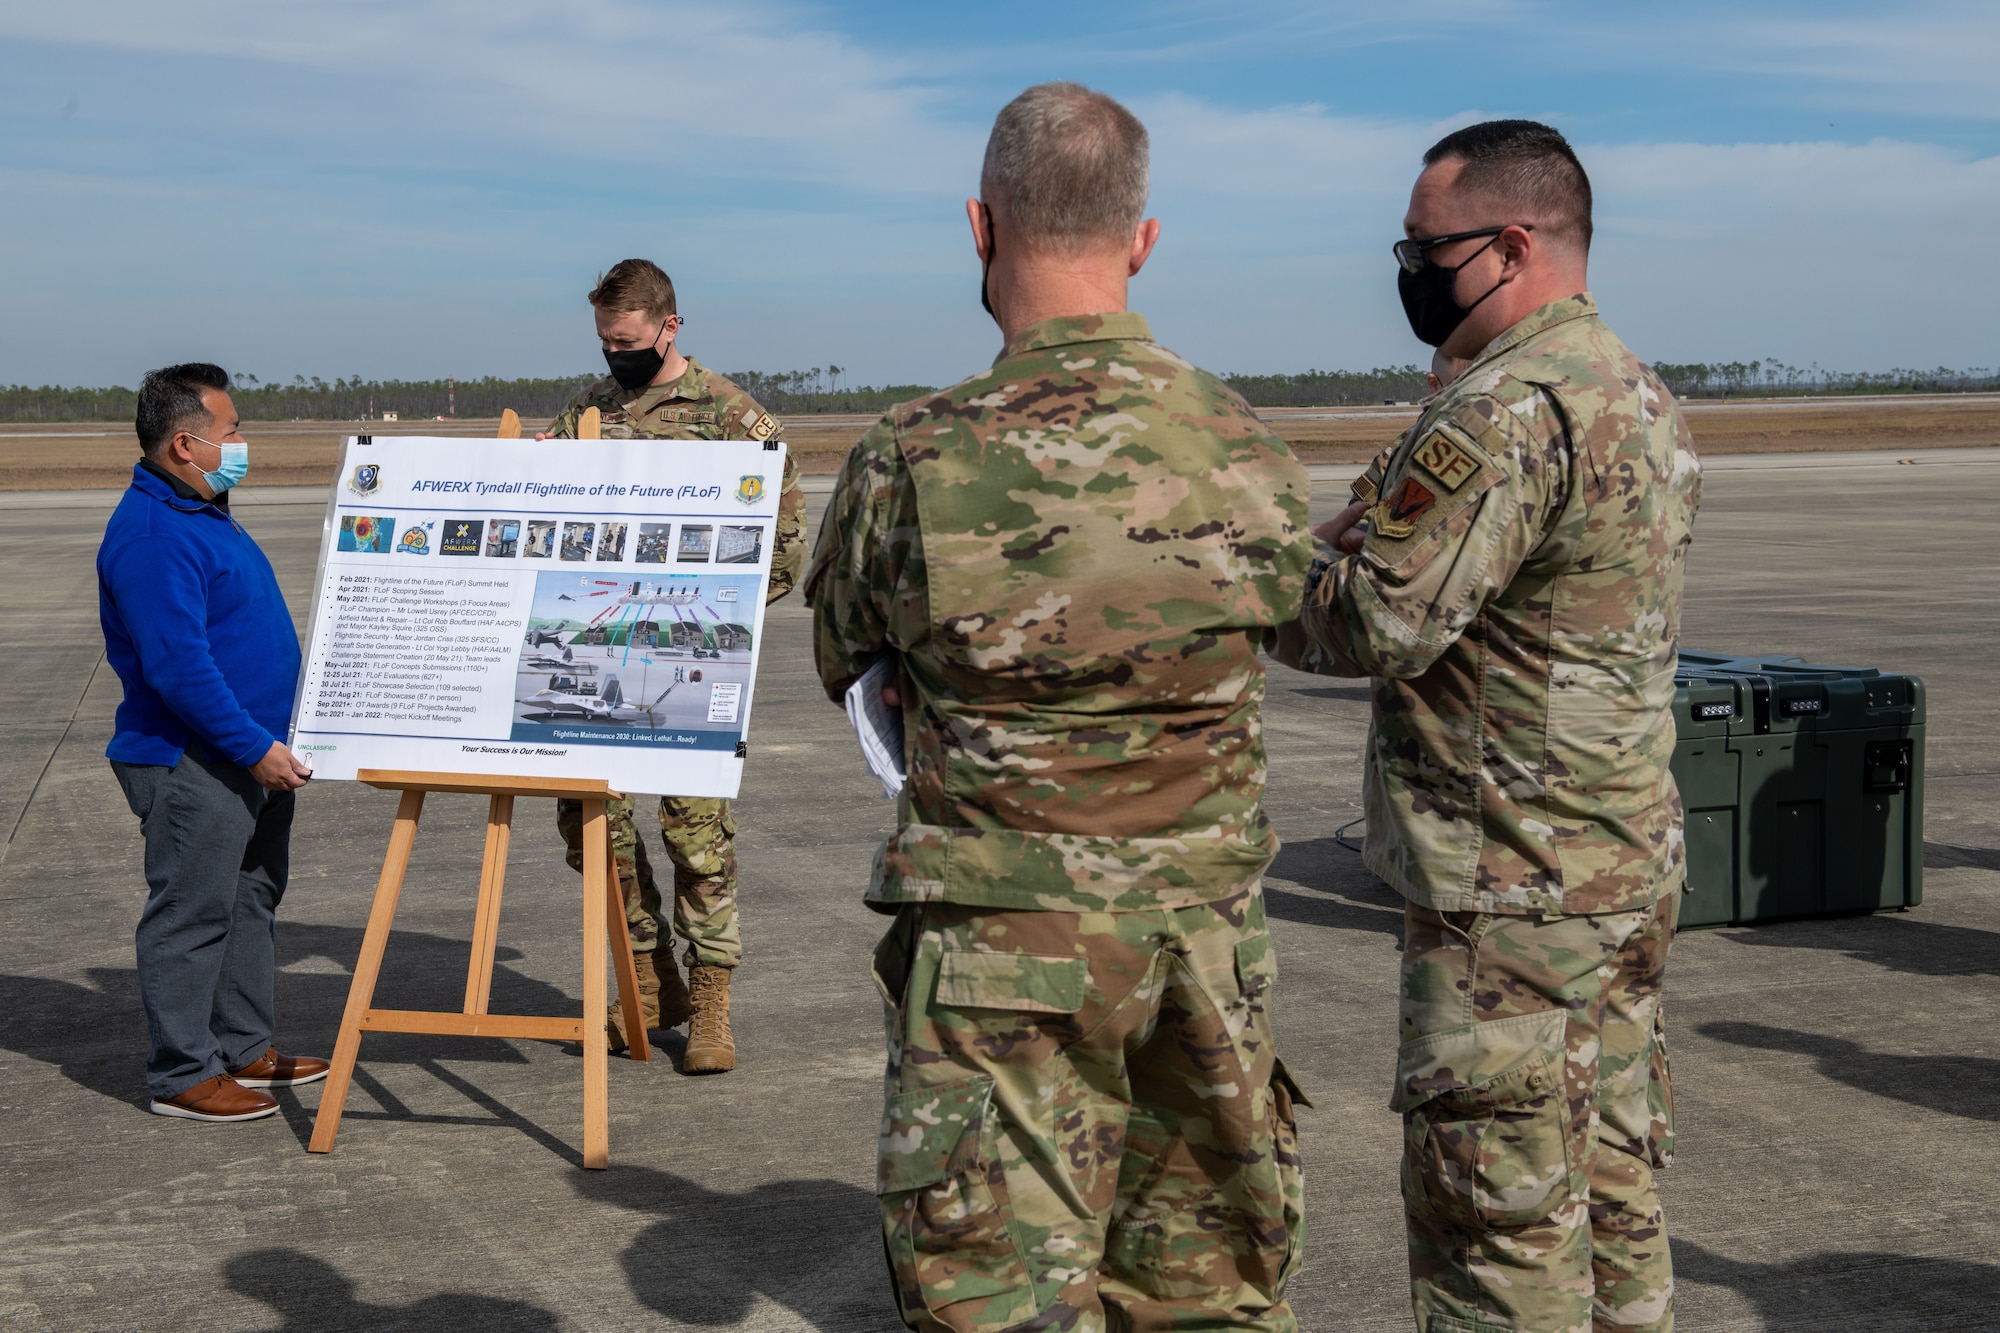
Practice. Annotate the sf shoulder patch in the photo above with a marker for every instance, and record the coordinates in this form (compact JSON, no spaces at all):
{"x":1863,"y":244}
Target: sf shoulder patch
{"x":1440,"y":474}
{"x":760,"y":425}
{"x":1444,"y":459}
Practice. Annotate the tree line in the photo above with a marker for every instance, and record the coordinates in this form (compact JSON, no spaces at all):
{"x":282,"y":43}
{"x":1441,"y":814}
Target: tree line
{"x":804,"y":392}
{"x":821,"y":390}
{"x":357,"y":399}
{"x":1331,"y":388}
{"x":1773,"y":378}
{"x":314,"y":399}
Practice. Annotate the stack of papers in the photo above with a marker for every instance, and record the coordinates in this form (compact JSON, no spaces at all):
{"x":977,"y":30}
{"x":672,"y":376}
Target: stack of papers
{"x":877,"y":726}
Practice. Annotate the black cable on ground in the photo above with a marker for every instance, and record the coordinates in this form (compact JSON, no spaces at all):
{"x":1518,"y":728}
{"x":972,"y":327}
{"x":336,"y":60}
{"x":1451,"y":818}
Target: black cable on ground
{"x":35,"y":790}
{"x":1340,"y":834}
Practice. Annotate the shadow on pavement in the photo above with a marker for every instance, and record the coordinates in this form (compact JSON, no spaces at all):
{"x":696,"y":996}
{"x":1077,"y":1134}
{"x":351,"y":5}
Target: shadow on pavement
{"x":96,"y":1033}
{"x":1332,"y":888}
{"x":1897,"y":942}
{"x":1944,"y":856}
{"x":812,"y":1246}
{"x":1853,"y":1289}
{"x":420,"y":971}
{"x":1351,"y":693}
{"x":1961,"y":1085}
{"x":310,"y":1294}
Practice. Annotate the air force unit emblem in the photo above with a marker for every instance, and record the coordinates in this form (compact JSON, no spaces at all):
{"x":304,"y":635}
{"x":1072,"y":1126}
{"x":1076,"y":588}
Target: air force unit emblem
{"x":1396,"y":517}
{"x":367,"y":479}
{"x":750,"y":490}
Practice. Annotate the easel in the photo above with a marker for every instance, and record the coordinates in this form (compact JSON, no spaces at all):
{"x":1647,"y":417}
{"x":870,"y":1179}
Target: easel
{"x":602,"y":904}
{"x":589,"y":426}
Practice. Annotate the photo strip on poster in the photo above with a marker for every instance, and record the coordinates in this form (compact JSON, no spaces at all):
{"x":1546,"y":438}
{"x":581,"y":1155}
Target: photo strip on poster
{"x":559,"y":608}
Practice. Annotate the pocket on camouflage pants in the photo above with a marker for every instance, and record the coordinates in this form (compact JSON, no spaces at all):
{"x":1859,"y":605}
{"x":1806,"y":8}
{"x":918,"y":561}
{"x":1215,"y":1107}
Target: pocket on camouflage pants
{"x":944,"y":1197}
{"x":1485,"y":1122}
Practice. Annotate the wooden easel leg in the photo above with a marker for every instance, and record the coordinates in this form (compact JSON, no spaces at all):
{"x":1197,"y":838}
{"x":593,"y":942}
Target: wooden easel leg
{"x":596,"y":1057}
{"x":486,"y":921}
{"x":326,"y":1122}
{"x":625,"y":971}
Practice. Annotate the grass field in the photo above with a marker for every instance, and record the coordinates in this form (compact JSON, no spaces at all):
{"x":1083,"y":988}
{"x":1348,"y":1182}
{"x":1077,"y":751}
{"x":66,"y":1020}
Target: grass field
{"x":91,"y":455}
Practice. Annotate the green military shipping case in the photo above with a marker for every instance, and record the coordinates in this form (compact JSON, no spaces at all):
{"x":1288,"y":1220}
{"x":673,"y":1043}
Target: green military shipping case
{"x":1804,"y":788}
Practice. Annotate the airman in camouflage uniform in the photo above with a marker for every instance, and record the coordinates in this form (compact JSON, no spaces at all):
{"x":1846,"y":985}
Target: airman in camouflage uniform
{"x":698,"y":831}
{"x":1075,"y":556}
{"x":1517,"y":599}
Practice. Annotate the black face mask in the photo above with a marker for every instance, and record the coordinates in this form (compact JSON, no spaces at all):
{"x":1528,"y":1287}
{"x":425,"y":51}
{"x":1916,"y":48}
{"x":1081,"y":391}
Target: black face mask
{"x":1430,"y":299}
{"x":986,"y":269}
{"x":635,"y":369}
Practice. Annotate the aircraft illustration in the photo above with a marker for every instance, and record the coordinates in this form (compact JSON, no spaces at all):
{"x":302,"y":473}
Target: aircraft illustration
{"x":607,"y":705}
{"x":567,"y":662}
{"x":552,"y":637}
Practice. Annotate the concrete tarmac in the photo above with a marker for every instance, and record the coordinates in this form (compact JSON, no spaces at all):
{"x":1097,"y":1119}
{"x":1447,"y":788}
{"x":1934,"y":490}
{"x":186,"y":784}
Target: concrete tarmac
{"x":1838,"y":1081}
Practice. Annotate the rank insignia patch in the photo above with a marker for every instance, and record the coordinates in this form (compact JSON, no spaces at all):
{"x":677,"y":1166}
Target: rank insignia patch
{"x":1397,"y":516}
{"x":1446,"y":461}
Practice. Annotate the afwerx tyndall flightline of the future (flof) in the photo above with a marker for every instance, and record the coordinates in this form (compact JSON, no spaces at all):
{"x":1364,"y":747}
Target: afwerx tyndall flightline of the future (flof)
{"x":505,"y":607}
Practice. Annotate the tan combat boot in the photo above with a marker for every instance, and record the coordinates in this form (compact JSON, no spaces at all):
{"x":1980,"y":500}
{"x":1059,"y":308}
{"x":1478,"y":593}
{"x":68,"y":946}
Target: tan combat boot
{"x":663,"y":998}
{"x":710,"y":1048}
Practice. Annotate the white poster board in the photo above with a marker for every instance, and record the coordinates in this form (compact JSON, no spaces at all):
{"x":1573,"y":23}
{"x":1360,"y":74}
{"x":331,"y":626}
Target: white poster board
{"x":556,"y":608}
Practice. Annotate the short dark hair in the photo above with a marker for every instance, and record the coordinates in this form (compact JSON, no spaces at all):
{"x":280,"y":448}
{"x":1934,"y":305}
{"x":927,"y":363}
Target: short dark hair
{"x":635,"y":284}
{"x":169,"y":398}
{"x":1527,"y":166}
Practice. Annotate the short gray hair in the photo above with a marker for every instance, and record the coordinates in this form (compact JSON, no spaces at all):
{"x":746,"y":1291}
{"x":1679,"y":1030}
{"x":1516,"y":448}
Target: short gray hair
{"x":1069,"y":164}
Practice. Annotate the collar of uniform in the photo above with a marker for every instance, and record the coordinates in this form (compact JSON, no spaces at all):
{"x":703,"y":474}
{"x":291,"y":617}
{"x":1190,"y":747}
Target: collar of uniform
{"x":691,"y":384}
{"x":1116,"y":326}
{"x":1580,"y":306}
{"x":181,"y":489}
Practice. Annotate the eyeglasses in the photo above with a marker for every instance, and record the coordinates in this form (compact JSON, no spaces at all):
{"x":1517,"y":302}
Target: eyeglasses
{"x":1413,"y":255}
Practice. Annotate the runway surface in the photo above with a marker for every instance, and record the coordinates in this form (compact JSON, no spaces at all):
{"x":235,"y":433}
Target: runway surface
{"x":1838,"y":1081}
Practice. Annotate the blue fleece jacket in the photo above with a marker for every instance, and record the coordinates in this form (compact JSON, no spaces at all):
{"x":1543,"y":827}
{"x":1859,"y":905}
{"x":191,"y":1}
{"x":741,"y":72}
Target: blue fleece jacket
{"x":195,"y":627}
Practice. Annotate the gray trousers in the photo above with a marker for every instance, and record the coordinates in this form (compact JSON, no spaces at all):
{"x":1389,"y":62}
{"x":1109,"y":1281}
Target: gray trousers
{"x":218,"y":849}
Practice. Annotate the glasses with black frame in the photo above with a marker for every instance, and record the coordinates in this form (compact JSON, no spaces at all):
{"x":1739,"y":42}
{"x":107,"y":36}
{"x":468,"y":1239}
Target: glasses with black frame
{"x":1413,"y":255}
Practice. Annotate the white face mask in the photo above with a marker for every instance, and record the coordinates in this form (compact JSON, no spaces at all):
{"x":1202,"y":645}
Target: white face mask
{"x":235,"y":464}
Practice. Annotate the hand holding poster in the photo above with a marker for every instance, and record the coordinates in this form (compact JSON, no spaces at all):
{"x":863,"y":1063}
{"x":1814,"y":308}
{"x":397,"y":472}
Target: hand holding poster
{"x":581,"y":609}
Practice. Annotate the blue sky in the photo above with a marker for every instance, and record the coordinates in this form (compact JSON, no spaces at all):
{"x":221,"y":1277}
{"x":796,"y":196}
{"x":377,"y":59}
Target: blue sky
{"x":417,"y":188}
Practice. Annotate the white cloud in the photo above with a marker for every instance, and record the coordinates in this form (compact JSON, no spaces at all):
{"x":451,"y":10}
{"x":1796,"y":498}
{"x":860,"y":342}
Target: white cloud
{"x":1918,"y":56}
{"x":722,"y":91}
{"x":1855,"y":255}
{"x":424,"y":188}
{"x":1288,"y":153}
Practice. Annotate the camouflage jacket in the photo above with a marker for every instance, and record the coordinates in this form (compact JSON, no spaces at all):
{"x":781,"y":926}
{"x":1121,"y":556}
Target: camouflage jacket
{"x":1076,"y":555}
{"x":1518,"y":599}
{"x":701,"y":405}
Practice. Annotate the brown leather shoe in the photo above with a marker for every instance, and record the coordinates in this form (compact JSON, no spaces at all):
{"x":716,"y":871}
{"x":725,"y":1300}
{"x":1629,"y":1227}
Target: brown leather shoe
{"x":271,"y":1070}
{"x":218,"y":1098}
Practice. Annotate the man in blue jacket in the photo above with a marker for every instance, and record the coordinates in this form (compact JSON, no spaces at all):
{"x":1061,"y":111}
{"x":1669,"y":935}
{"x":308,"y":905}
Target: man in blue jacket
{"x":197,"y":630}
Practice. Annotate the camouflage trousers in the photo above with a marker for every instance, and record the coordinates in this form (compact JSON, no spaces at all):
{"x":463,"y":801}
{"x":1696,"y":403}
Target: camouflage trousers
{"x":1536,"y":1103}
{"x":1086,"y":1127}
{"x":701,"y":841}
